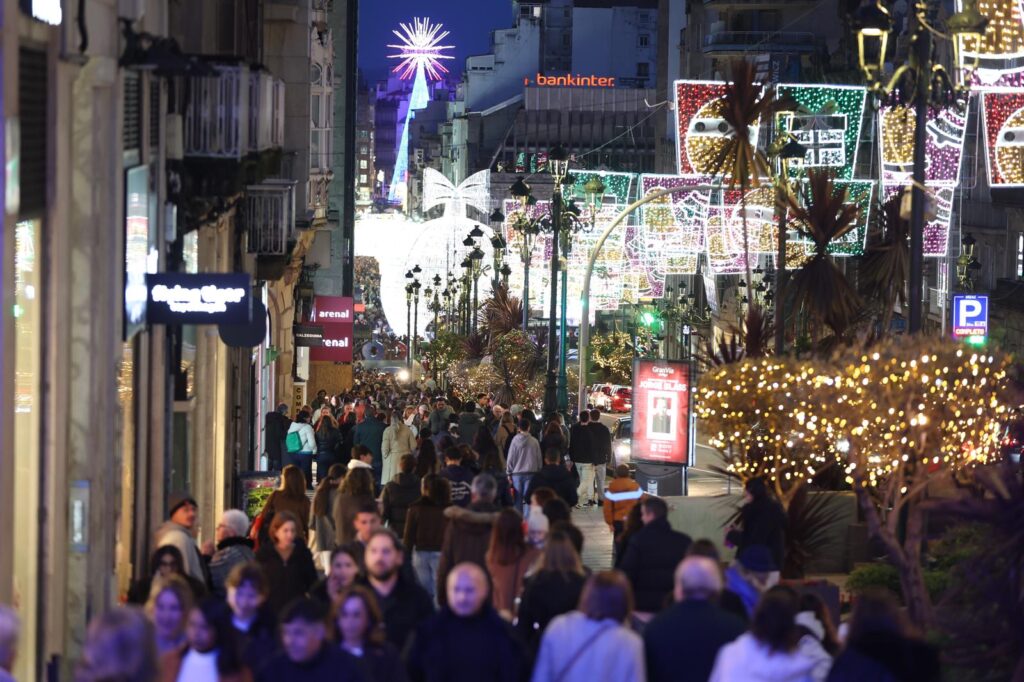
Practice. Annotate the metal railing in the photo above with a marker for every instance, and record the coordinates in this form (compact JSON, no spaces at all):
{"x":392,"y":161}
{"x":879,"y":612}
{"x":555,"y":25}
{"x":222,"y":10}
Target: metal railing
{"x":796,"y":41}
{"x":233,"y":113}
{"x":269,"y":214}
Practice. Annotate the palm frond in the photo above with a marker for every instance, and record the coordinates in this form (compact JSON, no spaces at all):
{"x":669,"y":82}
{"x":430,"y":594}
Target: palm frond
{"x":745,"y":101}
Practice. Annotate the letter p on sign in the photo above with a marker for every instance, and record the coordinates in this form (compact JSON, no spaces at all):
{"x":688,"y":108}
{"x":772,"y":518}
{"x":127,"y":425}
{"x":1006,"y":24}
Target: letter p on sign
{"x":970,"y":315}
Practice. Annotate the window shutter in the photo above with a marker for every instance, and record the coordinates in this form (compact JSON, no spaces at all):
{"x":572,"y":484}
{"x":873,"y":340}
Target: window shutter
{"x":32,"y":96}
{"x":131,"y":134}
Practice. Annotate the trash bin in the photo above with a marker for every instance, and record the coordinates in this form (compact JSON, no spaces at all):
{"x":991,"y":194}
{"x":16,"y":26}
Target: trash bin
{"x":660,"y":479}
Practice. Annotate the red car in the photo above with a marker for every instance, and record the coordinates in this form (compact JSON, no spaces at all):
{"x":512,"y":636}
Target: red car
{"x":622,"y":399}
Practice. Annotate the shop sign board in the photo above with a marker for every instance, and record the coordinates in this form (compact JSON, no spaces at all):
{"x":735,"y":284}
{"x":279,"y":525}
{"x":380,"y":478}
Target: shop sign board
{"x":335,"y":316}
{"x":202,"y":298}
{"x":970,"y":315}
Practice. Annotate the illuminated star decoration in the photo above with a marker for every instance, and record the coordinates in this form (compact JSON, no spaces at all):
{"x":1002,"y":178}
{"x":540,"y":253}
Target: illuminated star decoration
{"x":420,"y":48}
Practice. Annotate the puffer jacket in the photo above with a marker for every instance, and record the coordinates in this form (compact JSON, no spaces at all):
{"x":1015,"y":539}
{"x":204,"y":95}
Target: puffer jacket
{"x":620,"y":498}
{"x":466,"y":539}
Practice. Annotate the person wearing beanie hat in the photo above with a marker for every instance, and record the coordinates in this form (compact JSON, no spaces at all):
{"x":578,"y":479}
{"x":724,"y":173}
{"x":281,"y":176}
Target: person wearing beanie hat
{"x":178,"y":531}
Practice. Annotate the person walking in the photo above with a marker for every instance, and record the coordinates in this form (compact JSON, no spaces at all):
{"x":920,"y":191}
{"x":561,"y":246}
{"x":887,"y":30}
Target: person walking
{"x":554,"y":475}
{"x":504,"y":432}
{"x":301,"y":446}
{"x":582,"y":454}
{"x":468,"y":534}
{"x":553,"y":588}
{"x":306,"y":653}
{"x":167,"y":609}
{"x":211,"y":653}
{"x":403,"y":603}
{"x":399,"y":493}
{"x":164,"y":562}
{"x":322,"y":513}
{"x":359,"y":630}
{"x":470,"y":421}
{"x":10,"y":631}
{"x":508,"y":559}
{"x":762,"y":522}
{"x":255,"y":626}
{"x":398,"y":441}
{"x":356,"y":491}
{"x":118,"y":646}
{"x":681,"y":643}
{"x":440,"y":416}
{"x":233,"y":548}
{"x":424,"y":530}
{"x":275,"y":429}
{"x":287,"y":562}
{"x":467,"y":641}
{"x":289,"y":497}
{"x":622,"y":495}
{"x":553,"y":438}
{"x":524,"y":460}
{"x":651,"y":558}
{"x":601,"y":439}
{"x":370,"y":434}
{"x":328,"y":442}
{"x":458,"y":476}
{"x":492,"y":461}
{"x":345,"y":565}
{"x":752,"y":573}
{"x":594,"y":642}
{"x":769,"y":652}
{"x":178,"y":531}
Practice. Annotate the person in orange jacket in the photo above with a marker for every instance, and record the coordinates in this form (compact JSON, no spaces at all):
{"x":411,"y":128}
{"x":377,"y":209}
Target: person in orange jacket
{"x":621,"y":496}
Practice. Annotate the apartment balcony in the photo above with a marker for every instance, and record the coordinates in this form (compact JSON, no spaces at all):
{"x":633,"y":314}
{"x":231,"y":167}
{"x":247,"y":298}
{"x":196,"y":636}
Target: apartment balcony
{"x":740,"y":43}
{"x":234,"y":113}
{"x":268,"y":214}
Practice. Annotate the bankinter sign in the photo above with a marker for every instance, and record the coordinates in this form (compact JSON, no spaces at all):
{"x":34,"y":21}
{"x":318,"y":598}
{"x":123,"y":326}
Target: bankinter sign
{"x":571,"y":81}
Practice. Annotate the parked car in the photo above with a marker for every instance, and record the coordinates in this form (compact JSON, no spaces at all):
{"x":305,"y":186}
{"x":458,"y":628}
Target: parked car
{"x":621,"y":399}
{"x":600,"y":397}
{"x":622,"y":434}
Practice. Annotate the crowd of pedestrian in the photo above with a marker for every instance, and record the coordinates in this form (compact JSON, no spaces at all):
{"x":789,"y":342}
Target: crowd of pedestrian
{"x":440,"y":545}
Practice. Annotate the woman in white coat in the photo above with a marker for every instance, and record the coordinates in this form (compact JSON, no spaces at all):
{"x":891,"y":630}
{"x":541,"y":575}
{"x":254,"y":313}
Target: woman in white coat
{"x":593,"y":642}
{"x":398,"y":440}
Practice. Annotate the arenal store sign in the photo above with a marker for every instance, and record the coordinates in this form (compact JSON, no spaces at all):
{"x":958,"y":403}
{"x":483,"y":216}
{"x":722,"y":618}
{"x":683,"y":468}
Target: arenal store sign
{"x":335,"y":315}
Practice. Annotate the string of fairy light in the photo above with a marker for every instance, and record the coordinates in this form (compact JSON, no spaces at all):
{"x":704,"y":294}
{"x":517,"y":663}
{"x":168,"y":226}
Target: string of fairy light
{"x":907,"y":407}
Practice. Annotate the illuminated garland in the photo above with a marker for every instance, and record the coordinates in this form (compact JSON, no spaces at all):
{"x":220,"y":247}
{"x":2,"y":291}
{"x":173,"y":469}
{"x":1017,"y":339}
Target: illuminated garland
{"x":701,"y":133}
{"x":1003,"y":113}
{"x":1002,"y":45}
{"x":828,"y":122}
{"x":858,"y":192}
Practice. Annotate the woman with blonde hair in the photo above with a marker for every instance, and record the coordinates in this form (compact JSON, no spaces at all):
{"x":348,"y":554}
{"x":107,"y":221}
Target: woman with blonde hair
{"x":167,"y":608}
{"x":552,"y":589}
{"x":290,"y":497}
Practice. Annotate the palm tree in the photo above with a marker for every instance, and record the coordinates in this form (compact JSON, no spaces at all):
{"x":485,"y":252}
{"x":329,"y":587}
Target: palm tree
{"x":744,"y":102}
{"x":886,"y":263}
{"x":502,"y":313}
{"x":751,"y":340}
{"x":823,"y":215}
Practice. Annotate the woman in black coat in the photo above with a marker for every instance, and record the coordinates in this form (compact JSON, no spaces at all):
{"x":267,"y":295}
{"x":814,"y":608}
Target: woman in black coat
{"x":287,"y":562}
{"x":552,"y":590}
{"x":762,"y":522}
{"x":328,"y":441}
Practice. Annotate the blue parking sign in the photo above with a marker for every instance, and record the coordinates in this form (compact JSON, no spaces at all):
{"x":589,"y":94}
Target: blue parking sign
{"x":970,"y":315}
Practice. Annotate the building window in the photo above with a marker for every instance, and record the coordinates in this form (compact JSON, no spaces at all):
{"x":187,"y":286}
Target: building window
{"x":1020,"y":255}
{"x":321,"y":115}
{"x":643,"y":70}
{"x":643,"y":40}
{"x":362,"y":178}
{"x":362,"y":164}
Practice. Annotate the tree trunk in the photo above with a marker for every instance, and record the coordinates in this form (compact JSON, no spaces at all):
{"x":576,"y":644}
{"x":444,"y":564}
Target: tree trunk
{"x":915,"y":593}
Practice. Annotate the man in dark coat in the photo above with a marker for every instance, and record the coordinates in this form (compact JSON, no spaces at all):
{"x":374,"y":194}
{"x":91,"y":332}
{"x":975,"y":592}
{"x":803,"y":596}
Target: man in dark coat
{"x":403,"y":603}
{"x":469,"y":423}
{"x":581,"y":452}
{"x":467,"y":641}
{"x":554,"y":475}
{"x":601,"y":438}
{"x":652,"y":555}
{"x":682,"y":641}
{"x":468,"y":534}
{"x":306,"y":652}
{"x":370,"y":434}
{"x":275,"y":428}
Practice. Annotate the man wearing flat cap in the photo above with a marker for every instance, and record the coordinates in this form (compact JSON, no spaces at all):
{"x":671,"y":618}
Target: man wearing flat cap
{"x":178,"y":531}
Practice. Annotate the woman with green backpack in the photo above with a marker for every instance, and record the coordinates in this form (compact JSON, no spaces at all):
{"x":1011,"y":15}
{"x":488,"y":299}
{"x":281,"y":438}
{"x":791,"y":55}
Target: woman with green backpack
{"x":301,"y":445}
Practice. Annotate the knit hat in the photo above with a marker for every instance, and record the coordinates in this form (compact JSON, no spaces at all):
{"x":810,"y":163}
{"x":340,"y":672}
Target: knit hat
{"x":757,"y":559}
{"x":177,"y":500}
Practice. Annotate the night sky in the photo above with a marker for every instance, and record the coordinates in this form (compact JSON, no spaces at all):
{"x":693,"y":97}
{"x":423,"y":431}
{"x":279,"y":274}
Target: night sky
{"x":469,"y":21}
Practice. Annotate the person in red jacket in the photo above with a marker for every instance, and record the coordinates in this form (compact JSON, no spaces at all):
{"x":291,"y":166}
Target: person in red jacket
{"x":621,"y":496}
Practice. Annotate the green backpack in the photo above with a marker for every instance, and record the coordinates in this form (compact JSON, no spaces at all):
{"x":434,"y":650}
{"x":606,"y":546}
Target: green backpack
{"x":293,"y":441}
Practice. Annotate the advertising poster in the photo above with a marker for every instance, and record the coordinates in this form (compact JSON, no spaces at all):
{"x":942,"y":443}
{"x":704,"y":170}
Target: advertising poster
{"x":661,"y":411}
{"x":335,"y":315}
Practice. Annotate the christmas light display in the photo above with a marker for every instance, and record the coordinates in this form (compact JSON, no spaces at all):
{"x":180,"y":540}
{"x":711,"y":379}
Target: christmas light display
{"x":672,"y":227}
{"x":827,"y":121}
{"x":618,"y":187}
{"x":858,"y":192}
{"x":701,"y":132}
{"x":1000,"y":59}
{"x":944,"y":154}
{"x":1003,"y":113}
{"x":420,"y":53}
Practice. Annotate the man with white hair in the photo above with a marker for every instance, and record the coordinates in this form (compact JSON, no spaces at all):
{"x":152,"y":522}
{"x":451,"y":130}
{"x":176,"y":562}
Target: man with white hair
{"x":10,"y":627}
{"x":682,"y":641}
{"x":233,"y":547}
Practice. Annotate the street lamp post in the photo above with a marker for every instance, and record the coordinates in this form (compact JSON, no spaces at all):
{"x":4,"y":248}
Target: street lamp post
{"x":558,"y":162}
{"x":467,"y":266}
{"x":528,"y":229}
{"x":788,"y":151}
{"x":415,"y":315}
{"x":475,"y":256}
{"x":408,"y":324}
{"x":923,"y":83}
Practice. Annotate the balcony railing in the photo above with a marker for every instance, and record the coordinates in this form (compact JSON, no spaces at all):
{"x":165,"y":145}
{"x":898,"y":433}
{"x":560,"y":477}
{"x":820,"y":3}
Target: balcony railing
{"x":796,"y":42}
{"x":269,"y":213}
{"x":233,"y":113}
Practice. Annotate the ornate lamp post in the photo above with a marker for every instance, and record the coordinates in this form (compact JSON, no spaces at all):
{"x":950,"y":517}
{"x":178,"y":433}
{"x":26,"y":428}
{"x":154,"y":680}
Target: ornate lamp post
{"x":967,"y":263}
{"x":475,"y":257}
{"x":788,"y":152}
{"x":408,"y":322}
{"x":528,"y":229}
{"x":467,"y":265}
{"x":921,"y":82}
